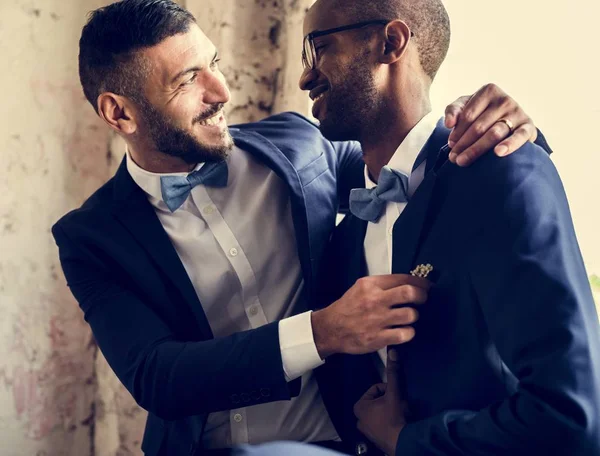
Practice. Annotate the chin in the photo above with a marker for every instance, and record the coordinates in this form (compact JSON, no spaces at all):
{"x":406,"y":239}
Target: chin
{"x":337,"y":131}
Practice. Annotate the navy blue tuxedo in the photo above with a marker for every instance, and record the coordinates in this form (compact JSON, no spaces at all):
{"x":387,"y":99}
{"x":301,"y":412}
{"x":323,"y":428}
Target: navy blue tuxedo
{"x":506,"y":358}
{"x":142,"y":307}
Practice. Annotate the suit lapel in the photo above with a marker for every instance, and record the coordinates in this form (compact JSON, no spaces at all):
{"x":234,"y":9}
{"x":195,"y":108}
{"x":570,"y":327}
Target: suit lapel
{"x":267,"y":152}
{"x":409,"y":227}
{"x":137,"y":215}
{"x":354,"y":260}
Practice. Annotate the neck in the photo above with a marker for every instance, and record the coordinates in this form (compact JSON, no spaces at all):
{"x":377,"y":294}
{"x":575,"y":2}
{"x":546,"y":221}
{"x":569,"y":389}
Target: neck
{"x":404,"y":112}
{"x":153,"y":161}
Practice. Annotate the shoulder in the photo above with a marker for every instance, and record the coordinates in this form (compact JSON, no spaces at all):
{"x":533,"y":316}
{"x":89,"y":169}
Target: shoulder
{"x":294,"y":133}
{"x":287,"y":119}
{"x":528,"y":170}
{"x":508,"y":193}
{"x":91,"y":212}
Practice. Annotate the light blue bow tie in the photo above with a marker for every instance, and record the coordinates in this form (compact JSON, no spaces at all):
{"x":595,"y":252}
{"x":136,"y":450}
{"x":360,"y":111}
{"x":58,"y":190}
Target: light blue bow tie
{"x":369,"y":204}
{"x":176,"y":189}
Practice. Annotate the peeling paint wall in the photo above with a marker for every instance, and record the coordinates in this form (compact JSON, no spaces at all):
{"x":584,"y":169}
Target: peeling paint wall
{"x":57,"y":394}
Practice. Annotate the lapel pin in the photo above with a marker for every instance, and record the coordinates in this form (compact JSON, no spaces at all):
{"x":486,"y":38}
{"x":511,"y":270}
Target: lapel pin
{"x":422,"y":270}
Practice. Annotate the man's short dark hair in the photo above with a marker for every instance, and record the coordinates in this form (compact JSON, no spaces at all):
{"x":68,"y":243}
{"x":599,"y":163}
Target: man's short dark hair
{"x":427,"y":19}
{"x":109,"y":59}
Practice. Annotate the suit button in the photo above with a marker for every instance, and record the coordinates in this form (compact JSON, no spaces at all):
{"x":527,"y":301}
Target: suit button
{"x":238,"y":418}
{"x":245,"y":397}
{"x":265,"y":392}
{"x":235,"y":398}
{"x":361,"y":448}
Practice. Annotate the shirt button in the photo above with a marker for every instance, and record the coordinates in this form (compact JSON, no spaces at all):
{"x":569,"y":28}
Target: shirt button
{"x":361,"y":449}
{"x":208,"y":210}
{"x":253,"y":311}
{"x":237,"y":418}
{"x":233,"y":252}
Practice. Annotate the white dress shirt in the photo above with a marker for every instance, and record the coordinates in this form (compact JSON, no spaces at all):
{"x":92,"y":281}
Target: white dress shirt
{"x":238,"y":246}
{"x":378,"y":240}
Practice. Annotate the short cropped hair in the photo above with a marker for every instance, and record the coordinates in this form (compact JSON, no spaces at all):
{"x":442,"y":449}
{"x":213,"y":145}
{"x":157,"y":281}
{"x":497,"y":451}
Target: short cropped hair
{"x":427,"y":19}
{"x":110,"y":42}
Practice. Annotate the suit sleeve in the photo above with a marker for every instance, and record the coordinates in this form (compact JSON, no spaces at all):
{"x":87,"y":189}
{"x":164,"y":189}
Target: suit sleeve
{"x":350,"y":171}
{"x":528,"y":275}
{"x":168,"y":377}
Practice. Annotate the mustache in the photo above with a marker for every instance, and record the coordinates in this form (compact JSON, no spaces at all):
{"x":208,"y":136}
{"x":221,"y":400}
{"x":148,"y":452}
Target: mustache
{"x":208,"y":113}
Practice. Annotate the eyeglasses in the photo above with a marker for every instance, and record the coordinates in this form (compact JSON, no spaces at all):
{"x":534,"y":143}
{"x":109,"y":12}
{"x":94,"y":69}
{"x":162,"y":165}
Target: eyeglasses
{"x":309,"y":53}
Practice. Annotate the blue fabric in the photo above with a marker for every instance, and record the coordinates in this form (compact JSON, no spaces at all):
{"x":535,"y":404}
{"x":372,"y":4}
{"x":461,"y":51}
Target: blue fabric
{"x":369,"y":204}
{"x":506,"y":358}
{"x":283,"y":449}
{"x":176,"y":189}
{"x":142,"y":307}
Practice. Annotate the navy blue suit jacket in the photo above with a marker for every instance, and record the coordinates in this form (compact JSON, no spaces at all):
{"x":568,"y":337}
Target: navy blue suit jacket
{"x":506,"y":358}
{"x":142,"y":307}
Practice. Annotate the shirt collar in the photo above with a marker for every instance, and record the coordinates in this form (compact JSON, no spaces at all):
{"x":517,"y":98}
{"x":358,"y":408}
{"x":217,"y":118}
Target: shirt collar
{"x":407,"y":152}
{"x":148,"y":181}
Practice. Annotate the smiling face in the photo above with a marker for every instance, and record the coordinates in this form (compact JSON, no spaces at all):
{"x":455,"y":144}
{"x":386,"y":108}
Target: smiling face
{"x":342,"y":84}
{"x":184,"y":95}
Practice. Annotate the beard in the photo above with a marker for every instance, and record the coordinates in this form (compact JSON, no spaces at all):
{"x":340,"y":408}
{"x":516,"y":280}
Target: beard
{"x":353,"y":106}
{"x":176,"y":142}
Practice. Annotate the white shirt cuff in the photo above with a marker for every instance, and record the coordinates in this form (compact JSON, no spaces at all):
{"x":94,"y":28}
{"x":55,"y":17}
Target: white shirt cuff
{"x":297,"y":344}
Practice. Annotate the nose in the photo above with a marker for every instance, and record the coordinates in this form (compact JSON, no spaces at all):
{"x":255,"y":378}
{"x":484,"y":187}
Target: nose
{"x":215,"y":88}
{"x":307,"y":79}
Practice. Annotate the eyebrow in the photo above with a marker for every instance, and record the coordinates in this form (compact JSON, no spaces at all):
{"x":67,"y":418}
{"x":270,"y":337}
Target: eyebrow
{"x":192,"y":69}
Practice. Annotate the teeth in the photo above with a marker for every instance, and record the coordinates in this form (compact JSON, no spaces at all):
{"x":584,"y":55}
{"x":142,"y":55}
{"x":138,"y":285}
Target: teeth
{"x":213,"y":121}
{"x":318,"y":97}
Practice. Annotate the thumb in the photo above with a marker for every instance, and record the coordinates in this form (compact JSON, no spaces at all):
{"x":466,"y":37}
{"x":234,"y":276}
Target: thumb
{"x":395,"y":375}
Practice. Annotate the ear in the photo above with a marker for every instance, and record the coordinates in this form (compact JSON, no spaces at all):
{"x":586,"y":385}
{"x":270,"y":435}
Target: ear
{"x":118,"y":112}
{"x":397,"y":37}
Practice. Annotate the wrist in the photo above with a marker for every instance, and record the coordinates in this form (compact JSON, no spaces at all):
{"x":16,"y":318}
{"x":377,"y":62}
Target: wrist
{"x":322,"y":333}
{"x":392,"y":440}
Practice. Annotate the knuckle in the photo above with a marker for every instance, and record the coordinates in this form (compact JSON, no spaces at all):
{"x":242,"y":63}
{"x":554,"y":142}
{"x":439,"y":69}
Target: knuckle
{"x":479,"y":129}
{"x":507,"y":104}
{"x":408,"y":293}
{"x":492,"y":88}
{"x":469,"y":116}
{"x":498,"y":132}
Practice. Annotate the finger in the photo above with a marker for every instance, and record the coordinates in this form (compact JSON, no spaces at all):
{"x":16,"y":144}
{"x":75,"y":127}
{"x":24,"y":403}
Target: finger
{"x":396,"y":336}
{"x":402,"y":316}
{"x":479,"y":129}
{"x":390,"y":281}
{"x":395,"y":376}
{"x":477,"y":104}
{"x":453,"y":110}
{"x":520,"y":136}
{"x":404,"y":294}
{"x":372,"y":393}
{"x":498,"y":132}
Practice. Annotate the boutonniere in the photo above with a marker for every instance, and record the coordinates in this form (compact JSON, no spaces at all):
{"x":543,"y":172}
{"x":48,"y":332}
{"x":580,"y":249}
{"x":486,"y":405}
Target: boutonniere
{"x":422,"y":270}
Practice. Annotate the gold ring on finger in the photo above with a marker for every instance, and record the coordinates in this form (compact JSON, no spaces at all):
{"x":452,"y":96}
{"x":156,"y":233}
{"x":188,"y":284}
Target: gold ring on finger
{"x":509,"y":124}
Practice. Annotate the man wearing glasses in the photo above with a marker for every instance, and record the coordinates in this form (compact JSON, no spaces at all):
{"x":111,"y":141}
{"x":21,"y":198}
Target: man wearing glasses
{"x":506,"y":358}
{"x":195,"y":266}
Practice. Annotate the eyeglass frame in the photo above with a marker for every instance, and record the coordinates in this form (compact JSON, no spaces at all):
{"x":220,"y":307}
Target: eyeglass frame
{"x":308,"y":42}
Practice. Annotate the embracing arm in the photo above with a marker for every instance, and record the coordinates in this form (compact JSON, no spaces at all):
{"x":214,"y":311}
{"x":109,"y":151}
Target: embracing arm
{"x":529,"y":277}
{"x":169,"y":377}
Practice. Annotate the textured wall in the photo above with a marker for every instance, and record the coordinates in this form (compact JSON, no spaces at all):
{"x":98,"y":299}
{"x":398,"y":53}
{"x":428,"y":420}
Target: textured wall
{"x":57,"y":394}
